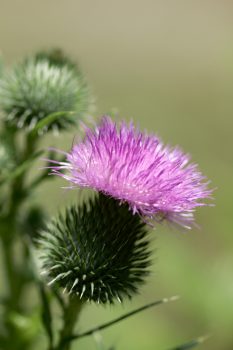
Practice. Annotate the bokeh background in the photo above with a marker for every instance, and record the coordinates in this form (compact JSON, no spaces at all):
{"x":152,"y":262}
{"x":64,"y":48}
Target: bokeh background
{"x":169,"y":66}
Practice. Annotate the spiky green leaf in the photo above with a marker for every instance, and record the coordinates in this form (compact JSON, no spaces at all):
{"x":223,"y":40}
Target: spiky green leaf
{"x":192,"y":344}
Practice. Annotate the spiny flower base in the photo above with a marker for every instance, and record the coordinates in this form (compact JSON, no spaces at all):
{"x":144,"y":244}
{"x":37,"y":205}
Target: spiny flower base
{"x":98,"y":251}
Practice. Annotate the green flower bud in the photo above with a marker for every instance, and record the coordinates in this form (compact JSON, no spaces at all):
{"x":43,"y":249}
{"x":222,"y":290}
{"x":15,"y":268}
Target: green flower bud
{"x":97,"y":251}
{"x":40,"y":86}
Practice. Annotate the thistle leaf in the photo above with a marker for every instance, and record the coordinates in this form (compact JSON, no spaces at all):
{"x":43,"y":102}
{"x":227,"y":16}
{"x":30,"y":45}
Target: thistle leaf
{"x":47,"y":121}
{"x":19,"y":170}
{"x":7,"y":153}
{"x":46,"y":315}
{"x":123,"y":317}
{"x":192,"y":344}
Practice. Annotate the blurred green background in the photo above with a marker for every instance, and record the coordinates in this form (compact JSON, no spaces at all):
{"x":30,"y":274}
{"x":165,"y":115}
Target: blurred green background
{"x":169,"y":66}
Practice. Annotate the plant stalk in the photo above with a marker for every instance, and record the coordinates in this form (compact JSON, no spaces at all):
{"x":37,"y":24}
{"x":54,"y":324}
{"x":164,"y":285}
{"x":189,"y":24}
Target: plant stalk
{"x":10,"y":235}
{"x":70,"y":317}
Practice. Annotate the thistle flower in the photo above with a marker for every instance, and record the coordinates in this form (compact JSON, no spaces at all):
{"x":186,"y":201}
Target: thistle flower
{"x":98,"y":251}
{"x":156,"y":181}
{"x":40,"y":86}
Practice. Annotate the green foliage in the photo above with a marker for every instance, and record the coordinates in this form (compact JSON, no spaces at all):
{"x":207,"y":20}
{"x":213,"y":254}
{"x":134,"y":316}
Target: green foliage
{"x":123,"y":317}
{"x":46,"y":315}
{"x":95,"y":251}
{"x":33,"y":221}
{"x":22,"y":168}
{"x":26,"y":328}
{"x":38,"y":87}
{"x":98,"y":251}
{"x":191,"y":344}
{"x":7,"y":154}
{"x":1,"y":65}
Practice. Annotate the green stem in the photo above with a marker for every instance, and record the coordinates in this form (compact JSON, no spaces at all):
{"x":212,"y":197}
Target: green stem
{"x":9,"y":235}
{"x":10,"y":269}
{"x":121,"y":318}
{"x":18,"y":190}
{"x":192,"y":344}
{"x":9,"y":232}
{"x":71,"y":314}
{"x":8,"y":223}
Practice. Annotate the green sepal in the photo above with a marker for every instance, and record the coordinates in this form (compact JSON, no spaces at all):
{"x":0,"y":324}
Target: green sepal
{"x":47,"y":121}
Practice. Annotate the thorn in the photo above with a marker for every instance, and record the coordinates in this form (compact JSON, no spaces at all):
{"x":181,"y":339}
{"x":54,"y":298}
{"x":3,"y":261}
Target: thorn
{"x":74,"y":284}
{"x":173,"y":298}
{"x":83,"y":291}
{"x":118,"y":298}
{"x":203,"y":338}
{"x":54,"y":267}
{"x":193,"y":343}
{"x":60,"y":276}
{"x":92,"y":288}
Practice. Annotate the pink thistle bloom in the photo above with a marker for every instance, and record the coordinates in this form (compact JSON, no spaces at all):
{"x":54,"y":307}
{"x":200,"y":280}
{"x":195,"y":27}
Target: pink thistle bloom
{"x":156,"y":181}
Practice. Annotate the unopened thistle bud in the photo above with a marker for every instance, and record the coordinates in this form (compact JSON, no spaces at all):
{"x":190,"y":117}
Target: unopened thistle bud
{"x":97,"y":251}
{"x":40,"y":86}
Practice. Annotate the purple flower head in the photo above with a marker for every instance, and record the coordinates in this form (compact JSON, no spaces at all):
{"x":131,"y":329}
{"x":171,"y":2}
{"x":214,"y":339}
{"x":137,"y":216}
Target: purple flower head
{"x":156,"y":181}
